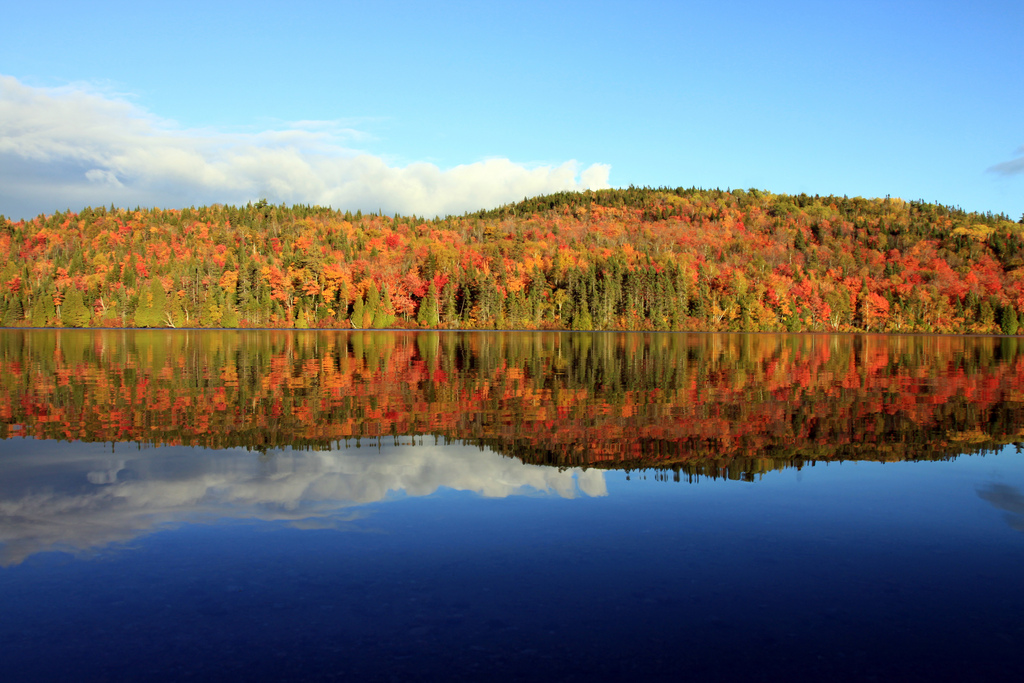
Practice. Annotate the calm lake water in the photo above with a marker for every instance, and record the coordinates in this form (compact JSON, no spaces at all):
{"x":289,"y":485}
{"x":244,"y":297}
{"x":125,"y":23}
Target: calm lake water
{"x":191,"y":505}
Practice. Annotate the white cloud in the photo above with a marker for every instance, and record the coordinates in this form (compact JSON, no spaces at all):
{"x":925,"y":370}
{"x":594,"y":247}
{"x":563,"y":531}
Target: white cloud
{"x":71,"y":147}
{"x":103,"y":177}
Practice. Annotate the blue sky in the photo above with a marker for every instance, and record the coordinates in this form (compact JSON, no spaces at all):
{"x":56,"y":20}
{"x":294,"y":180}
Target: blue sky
{"x":436,"y":108}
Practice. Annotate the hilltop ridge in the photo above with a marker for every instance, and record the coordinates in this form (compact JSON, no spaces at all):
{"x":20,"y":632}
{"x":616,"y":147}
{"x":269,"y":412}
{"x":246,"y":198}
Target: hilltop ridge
{"x":633,"y":258}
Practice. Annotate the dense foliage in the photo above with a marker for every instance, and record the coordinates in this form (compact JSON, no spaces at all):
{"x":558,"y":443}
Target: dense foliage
{"x":699,"y":404}
{"x":613,"y":259}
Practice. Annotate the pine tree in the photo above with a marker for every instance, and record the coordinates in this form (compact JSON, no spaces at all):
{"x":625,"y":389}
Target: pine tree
{"x":451,"y":314}
{"x":421,"y":312}
{"x":14,"y":313}
{"x":73,"y":312}
{"x":1009,"y":322}
{"x":372,"y":304}
{"x":427,"y":315}
{"x":43,"y":310}
{"x":467,"y":306}
{"x":534,"y":300}
{"x":582,"y":319}
{"x":152,"y":308}
{"x":229,"y":317}
{"x":384,"y":316}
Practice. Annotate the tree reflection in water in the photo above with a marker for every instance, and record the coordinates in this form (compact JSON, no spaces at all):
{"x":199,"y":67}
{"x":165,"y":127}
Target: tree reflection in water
{"x":698,"y":404}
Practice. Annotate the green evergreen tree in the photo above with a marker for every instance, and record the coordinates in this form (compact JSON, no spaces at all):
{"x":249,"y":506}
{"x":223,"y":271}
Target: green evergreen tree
{"x":73,"y":312}
{"x":488,"y":302}
{"x":357,"y":313}
{"x":986,"y":314}
{"x":384,"y":316}
{"x":517,"y":316}
{"x":466,"y":310}
{"x":427,"y":316}
{"x":152,"y":308}
{"x":372,"y":306}
{"x":229,"y":317}
{"x":421,"y":312}
{"x":14,"y":313}
{"x":160,"y":309}
{"x":43,"y":310}
{"x":1009,"y":322}
{"x":582,"y":319}
{"x":535,"y":301}
{"x":500,"y":321}
{"x":451,"y":313}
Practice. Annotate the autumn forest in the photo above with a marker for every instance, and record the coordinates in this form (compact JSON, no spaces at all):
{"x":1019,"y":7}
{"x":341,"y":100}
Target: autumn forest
{"x":621,"y":259}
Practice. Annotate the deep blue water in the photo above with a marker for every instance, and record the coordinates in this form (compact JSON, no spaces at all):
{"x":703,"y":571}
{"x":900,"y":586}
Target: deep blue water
{"x":452,"y":563}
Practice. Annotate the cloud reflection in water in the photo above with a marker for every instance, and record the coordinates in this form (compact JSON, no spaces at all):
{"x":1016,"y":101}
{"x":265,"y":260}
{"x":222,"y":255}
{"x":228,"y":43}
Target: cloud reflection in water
{"x":65,"y":500}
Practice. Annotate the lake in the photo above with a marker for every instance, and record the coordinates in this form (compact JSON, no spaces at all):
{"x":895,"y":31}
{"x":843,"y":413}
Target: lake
{"x":321,"y":505}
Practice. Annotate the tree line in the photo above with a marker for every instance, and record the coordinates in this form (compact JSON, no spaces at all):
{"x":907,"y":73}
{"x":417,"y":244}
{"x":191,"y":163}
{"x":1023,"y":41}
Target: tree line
{"x":620,"y":259}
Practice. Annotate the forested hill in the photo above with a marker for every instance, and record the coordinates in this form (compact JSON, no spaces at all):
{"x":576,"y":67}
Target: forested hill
{"x":612,"y":259}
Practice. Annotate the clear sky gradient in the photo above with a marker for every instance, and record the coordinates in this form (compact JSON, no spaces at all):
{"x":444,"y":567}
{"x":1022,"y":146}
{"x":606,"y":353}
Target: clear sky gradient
{"x":442,"y":108}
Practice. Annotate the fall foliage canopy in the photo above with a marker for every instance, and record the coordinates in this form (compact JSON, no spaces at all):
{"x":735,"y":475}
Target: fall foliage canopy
{"x":630,"y":259}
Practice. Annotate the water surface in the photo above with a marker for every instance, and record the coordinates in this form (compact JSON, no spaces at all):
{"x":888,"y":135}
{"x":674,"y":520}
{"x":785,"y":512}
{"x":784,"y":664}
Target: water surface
{"x":380,"y":506}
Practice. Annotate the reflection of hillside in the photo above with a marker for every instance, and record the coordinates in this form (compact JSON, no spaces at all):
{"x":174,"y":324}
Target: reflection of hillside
{"x":693,"y":461}
{"x":93,"y":499}
{"x":701,"y":404}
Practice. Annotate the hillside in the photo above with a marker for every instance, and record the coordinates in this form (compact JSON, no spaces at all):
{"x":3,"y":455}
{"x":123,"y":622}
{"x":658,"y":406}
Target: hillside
{"x":654,"y":259}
